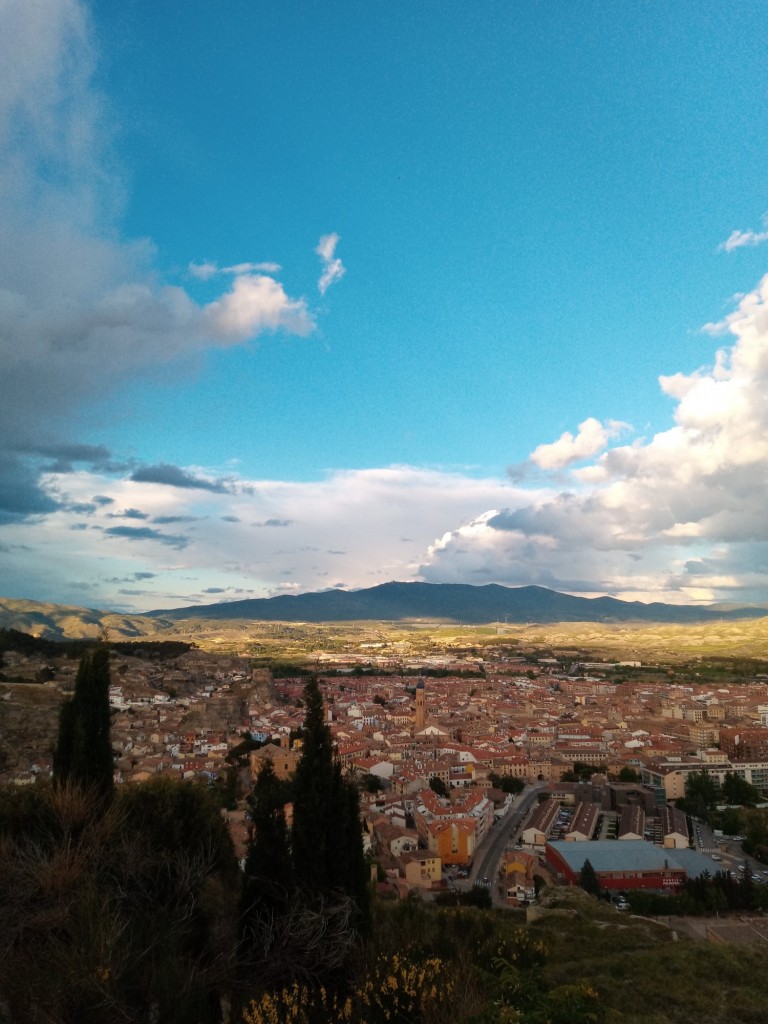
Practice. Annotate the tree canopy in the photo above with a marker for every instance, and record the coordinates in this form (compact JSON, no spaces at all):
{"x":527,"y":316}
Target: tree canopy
{"x":83,"y":751}
{"x":507,"y":783}
{"x":437,"y":785}
{"x":588,"y":879}
{"x":700,"y":792}
{"x":738,"y":791}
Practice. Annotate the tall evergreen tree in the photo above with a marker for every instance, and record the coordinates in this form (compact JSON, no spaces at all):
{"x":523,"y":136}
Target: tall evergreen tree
{"x":316,"y":815}
{"x":326,"y":838}
{"x":268,"y":881}
{"x":83,"y":751}
{"x":588,"y":879}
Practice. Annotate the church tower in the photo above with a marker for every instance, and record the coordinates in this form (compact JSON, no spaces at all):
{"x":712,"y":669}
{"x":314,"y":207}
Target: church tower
{"x":420,"y":719}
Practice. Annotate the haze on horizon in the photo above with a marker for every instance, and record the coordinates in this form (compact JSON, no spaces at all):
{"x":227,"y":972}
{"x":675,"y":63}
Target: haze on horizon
{"x":312,"y":296}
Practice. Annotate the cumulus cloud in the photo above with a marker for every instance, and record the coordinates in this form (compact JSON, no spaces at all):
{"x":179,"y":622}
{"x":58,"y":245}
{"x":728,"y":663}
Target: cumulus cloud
{"x":739,"y":239}
{"x":333,"y":268}
{"x":592,"y":437}
{"x":639,"y":519}
{"x":82,"y":310}
{"x":255,"y":303}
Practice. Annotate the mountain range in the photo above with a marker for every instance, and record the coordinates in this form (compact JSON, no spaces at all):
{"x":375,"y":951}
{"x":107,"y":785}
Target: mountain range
{"x":456,"y":602}
{"x":394,"y":602}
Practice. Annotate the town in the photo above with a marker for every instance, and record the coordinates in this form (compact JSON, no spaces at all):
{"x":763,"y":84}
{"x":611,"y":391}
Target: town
{"x":505,"y":769}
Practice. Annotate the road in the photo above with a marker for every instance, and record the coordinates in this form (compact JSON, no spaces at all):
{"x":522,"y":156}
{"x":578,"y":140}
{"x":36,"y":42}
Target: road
{"x":729,"y":854}
{"x":485,"y":863}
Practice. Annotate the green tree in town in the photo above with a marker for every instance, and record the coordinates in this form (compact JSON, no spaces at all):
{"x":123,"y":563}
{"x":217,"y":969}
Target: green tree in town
{"x":700,"y":792}
{"x":738,"y":791}
{"x":437,"y":785}
{"x":371,"y":783}
{"x":756,"y":841}
{"x":506,"y":783}
{"x":588,"y":879}
{"x":83,"y":751}
{"x":627,"y":774}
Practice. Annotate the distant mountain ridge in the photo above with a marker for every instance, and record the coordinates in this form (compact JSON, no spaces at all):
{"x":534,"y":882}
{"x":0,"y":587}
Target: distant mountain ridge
{"x":394,"y":602}
{"x":457,"y":602}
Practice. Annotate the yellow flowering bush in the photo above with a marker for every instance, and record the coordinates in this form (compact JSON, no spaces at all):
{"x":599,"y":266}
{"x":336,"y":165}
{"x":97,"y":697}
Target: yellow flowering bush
{"x":397,"y":990}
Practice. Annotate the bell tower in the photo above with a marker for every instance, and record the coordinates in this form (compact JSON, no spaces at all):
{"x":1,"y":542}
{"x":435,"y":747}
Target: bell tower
{"x":421,"y":706}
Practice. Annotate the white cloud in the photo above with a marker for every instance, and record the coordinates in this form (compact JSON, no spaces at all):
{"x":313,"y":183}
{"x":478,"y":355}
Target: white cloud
{"x":739,"y":239}
{"x":592,"y":437}
{"x":333,"y":268}
{"x":208,"y":269}
{"x":350,"y":526}
{"x":80,"y":309}
{"x":256,"y":303}
{"x":252,"y":268}
{"x":635,"y":521}
{"x":204,"y":271}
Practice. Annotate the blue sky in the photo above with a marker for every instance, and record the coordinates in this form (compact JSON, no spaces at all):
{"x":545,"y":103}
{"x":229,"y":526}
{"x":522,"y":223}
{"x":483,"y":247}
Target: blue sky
{"x":308,"y":295}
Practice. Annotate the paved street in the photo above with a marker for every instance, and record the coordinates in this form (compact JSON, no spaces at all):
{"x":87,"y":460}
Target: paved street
{"x":488,"y":855}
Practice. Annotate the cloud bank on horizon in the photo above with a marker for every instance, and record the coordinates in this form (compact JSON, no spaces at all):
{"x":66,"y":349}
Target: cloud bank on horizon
{"x":675,"y":516}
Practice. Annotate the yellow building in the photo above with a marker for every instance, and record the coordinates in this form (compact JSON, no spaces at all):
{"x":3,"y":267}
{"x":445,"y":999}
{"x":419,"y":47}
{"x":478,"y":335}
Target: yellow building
{"x":284,"y":760}
{"x":453,"y":841}
{"x":422,"y":869}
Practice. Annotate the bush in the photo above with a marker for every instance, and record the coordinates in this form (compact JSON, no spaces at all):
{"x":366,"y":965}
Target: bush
{"x":397,"y":988}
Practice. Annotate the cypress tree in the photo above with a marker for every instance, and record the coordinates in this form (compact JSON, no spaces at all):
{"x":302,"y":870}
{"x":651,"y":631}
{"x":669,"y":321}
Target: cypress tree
{"x":588,"y":879}
{"x":268,"y":879}
{"x":326,"y":838}
{"x":356,"y":867}
{"x":316,"y":818}
{"x":83,"y":751}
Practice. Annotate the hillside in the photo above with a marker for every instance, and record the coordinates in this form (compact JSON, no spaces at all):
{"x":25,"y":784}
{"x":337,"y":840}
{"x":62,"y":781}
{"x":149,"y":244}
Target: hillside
{"x":68,"y":622}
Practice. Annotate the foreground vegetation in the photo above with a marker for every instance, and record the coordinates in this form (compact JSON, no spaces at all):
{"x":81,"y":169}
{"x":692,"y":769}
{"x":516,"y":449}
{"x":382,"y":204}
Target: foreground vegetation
{"x":136,"y":912}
